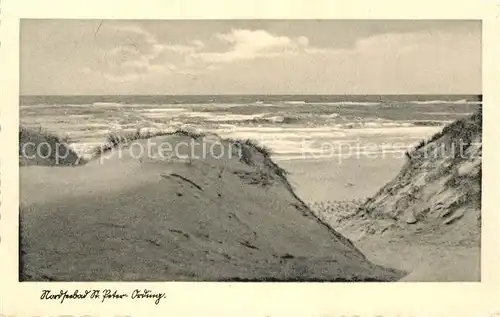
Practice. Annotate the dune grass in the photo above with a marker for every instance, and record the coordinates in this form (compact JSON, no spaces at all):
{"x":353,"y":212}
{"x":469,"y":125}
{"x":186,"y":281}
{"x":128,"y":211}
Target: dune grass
{"x":192,"y":134}
{"x":461,"y":133}
{"x":464,"y":129}
{"x":49,"y":154}
{"x":246,"y":146}
{"x":264,"y":150}
{"x":116,"y":139}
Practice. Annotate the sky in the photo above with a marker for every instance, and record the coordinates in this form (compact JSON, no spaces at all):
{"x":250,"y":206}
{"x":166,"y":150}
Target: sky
{"x":147,"y":57}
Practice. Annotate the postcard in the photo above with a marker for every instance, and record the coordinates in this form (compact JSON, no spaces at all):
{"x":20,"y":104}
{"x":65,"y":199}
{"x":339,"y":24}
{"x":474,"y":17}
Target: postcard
{"x":260,"y":158}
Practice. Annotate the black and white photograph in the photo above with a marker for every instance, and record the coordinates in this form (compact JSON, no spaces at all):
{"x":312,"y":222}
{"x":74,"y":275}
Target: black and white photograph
{"x":259,"y":150}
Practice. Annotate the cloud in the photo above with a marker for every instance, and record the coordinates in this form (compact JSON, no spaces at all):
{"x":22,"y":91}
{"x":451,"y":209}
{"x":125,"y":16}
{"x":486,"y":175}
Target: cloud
{"x":141,"y":56}
{"x":252,"y":44}
{"x":115,"y":78}
{"x":198,"y":43}
{"x":254,"y":40}
{"x":130,"y":61}
{"x":122,"y":78}
{"x":137,"y":30}
{"x":256,"y":56}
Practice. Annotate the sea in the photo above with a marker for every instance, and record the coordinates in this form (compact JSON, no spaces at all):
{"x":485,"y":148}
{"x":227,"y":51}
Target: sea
{"x":294,"y":127}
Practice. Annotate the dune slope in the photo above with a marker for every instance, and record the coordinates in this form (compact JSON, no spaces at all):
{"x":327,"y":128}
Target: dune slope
{"x":220,"y":215}
{"x":438,"y":188}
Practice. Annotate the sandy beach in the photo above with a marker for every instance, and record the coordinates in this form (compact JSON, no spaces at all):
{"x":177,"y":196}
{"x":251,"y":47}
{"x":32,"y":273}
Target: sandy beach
{"x":321,"y":180}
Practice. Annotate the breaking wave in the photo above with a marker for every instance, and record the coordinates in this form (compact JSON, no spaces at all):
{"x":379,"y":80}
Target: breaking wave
{"x":451,"y":102}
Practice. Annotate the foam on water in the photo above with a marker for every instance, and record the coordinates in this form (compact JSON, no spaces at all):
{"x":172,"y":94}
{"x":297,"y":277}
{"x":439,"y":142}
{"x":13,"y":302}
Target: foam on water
{"x":159,"y":115}
{"x":407,"y":131}
{"x":233,"y":117}
{"x":447,"y":113}
{"x":163,"y":110}
{"x":285,"y":126}
{"x":108,"y":104}
{"x":457,"y":102}
{"x":282,"y":135}
{"x":196,"y":114}
{"x":347,"y":103}
{"x":299,"y":102}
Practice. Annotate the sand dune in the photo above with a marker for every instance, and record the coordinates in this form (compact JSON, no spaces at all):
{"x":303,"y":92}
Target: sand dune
{"x":439,"y":188}
{"x":121,"y":217}
{"x":427,"y":220}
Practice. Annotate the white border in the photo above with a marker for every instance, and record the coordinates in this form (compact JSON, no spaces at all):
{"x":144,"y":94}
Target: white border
{"x":269,"y":299}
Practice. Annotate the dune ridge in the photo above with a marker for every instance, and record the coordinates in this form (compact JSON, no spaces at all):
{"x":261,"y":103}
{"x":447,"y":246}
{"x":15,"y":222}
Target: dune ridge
{"x":217,"y":217}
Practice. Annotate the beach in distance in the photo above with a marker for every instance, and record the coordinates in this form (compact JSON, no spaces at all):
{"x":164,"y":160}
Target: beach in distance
{"x":343,"y":147}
